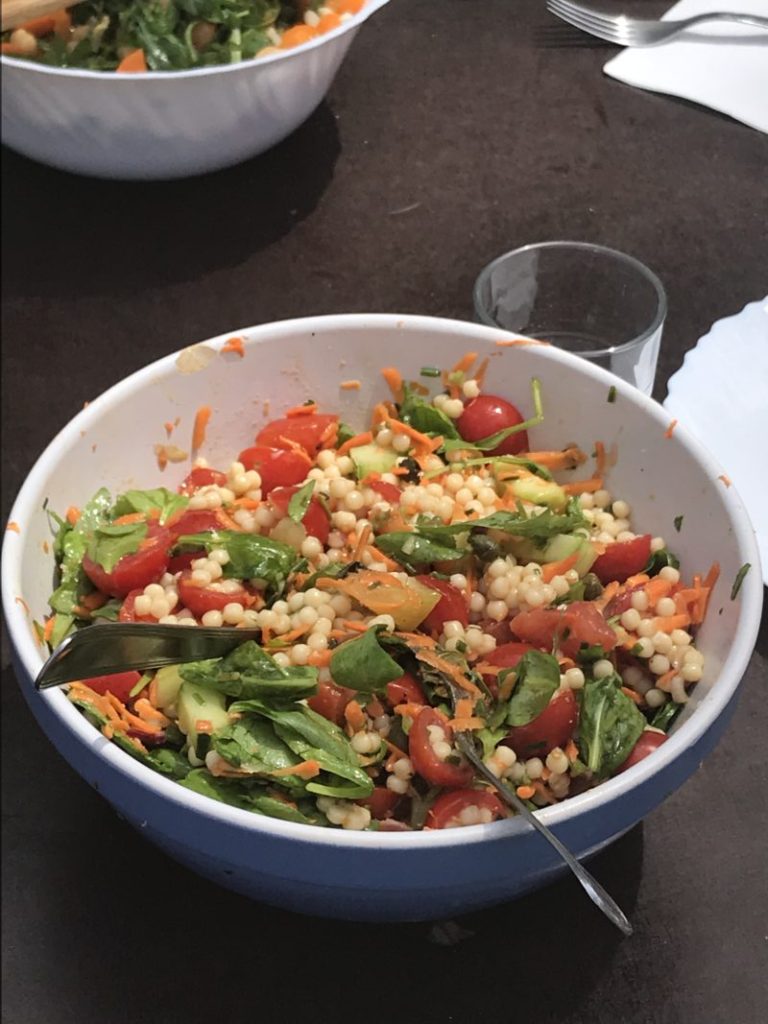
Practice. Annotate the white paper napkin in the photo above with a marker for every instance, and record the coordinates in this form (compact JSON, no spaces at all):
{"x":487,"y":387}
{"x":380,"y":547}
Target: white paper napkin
{"x":721,"y":66}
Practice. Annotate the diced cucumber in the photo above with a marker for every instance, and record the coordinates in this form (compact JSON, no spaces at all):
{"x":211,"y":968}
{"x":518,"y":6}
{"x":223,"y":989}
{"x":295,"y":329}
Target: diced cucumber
{"x":370,"y":458}
{"x":566,"y":544}
{"x":201,"y":710}
{"x":167,"y":682}
{"x":540,"y":492}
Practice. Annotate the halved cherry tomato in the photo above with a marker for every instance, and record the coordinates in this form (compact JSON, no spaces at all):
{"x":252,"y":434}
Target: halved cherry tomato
{"x":450,"y":608}
{"x":303,"y":430}
{"x":330,"y":701}
{"x":127,"y":611}
{"x":405,"y":690}
{"x":201,"y":476}
{"x":580,"y":623}
{"x":452,"y":775}
{"x":119,"y":685}
{"x":133,"y":572}
{"x":647,"y":742}
{"x":191,"y":521}
{"x":623,"y":559}
{"x":445,"y":812}
{"x":552,"y":728}
{"x":622,"y":602}
{"x":315,"y":520}
{"x":381,"y":803}
{"x":200,"y":600}
{"x":277,"y":467}
{"x":505,"y":656}
{"x":487,"y":415}
{"x":389,"y":492}
{"x":194,"y":520}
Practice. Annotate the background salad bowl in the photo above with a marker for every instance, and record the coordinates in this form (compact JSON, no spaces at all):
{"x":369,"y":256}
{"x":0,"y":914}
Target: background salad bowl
{"x":381,"y":875}
{"x":168,"y":124}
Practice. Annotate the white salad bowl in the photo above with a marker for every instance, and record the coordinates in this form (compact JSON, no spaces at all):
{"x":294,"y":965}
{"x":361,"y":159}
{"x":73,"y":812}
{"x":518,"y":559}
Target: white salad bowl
{"x":168,"y":124}
{"x":381,"y":875}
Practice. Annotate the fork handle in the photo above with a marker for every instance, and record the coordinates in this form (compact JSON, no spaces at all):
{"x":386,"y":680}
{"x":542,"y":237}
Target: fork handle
{"x":742,"y":19}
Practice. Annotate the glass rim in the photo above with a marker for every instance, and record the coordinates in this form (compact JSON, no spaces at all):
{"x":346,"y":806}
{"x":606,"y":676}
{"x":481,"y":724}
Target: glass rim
{"x":603,"y":250}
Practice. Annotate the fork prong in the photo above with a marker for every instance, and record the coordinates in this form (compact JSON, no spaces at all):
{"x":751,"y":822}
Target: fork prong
{"x":566,"y":9}
{"x":585,"y":25}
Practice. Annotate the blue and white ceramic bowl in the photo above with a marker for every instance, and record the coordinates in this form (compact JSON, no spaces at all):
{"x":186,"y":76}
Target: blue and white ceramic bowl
{"x":369,"y":875}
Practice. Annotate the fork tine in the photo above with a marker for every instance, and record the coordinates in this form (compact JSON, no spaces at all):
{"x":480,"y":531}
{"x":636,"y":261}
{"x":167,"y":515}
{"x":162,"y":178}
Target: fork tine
{"x":599,"y":19}
{"x":583,"y":23}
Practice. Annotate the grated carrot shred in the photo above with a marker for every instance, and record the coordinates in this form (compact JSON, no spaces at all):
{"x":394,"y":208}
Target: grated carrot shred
{"x":519,"y":342}
{"x":354,"y":716}
{"x":72,"y":514}
{"x":430,"y":658}
{"x":524,"y":792}
{"x":670,"y":429}
{"x":552,"y":569}
{"x":233,"y":345}
{"x":355,"y":442}
{"x":304,"y":770}
{"x":725,"y":479}
{"x":350,"y":385}
{"x":595,"y":483}
{"x":13,"y":527}
{"x":394,"y":382}
{"x":202,"y":419}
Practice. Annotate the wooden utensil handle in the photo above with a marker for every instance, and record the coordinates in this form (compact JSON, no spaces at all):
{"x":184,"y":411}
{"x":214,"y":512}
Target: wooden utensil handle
{"x":19,"y":12}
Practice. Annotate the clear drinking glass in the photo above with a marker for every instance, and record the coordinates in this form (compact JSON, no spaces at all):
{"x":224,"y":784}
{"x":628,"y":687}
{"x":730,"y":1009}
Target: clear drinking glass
{"x":595,"y":302}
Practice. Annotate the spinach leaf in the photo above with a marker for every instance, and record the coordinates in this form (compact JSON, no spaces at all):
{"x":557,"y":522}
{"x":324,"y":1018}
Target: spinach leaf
{"x":250,"y":796}
{"x":312,"y":738}
{"x":109,"y":543}
{"x":249,"y":672}
{"x":493,"y":460}
{"x":70,"y":546}
{"x":251,"y":744}
{"x":659,"y":560}
{"x":251,"y":556}
{"x":609,"y":725}
{"x":159,"y":498}
{"x":363,"y":664}
{"x":299,"y":502}
{"x":425,"y":417}
{"x":665,"y":716}
{"x":169,"y":762}
{"x":109,"y":611}
{"x":538,"y":677}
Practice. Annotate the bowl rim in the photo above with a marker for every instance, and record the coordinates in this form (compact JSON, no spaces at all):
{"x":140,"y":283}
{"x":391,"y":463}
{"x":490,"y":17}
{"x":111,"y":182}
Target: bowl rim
{"x":173,"y":76}
{"x":28,"y":653}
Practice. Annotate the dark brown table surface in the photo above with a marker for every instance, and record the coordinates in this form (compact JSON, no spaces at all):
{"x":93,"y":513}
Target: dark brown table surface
{"x":449,"y":136}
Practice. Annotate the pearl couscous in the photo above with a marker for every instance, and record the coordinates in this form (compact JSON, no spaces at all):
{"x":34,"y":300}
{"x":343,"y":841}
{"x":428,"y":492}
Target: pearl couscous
{"x":427,"y":576}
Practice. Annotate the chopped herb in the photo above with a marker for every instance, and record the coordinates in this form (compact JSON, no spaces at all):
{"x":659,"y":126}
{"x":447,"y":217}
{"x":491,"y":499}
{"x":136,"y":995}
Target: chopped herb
{"x":678,"y":522}
{"x":739,"y":580}
{"x":299,"y":503}
{"x":344,"y":433}
{"x":612,"y":394}
{"x":429,"y":371}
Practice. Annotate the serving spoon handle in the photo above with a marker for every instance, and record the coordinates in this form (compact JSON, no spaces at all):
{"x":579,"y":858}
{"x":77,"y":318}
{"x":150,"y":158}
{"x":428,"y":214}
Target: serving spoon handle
{"x":19,"y":12}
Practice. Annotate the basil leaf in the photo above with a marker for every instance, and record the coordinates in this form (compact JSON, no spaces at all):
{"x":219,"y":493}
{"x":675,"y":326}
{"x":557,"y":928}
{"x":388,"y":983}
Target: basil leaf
{"x":109,"y":543}
{"x":538,"y":677}
{"x":251,"y":556}
{"x":249,"y":672}
{"x":345,"y":433}
{"x":362,"y":664}
{"x":609,"y":726}
{"x":423,"y":416}
{"x":145,"y":502}
{"x":299,"y":503}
